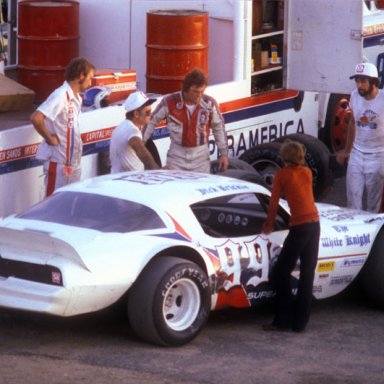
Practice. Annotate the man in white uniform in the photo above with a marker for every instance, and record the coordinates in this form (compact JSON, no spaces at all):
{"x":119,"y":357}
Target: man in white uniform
{"x":127,"y":149}
{"x":365,"y":141}
{"x":57,"y":121}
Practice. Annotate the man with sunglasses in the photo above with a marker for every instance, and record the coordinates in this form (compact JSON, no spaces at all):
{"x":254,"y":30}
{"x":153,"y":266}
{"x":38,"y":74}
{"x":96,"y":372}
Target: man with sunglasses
{"x":127,"y":150}
{"x":365,"y":141}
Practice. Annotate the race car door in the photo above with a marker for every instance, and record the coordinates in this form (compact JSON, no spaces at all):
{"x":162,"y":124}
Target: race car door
{"x":323,"y":44}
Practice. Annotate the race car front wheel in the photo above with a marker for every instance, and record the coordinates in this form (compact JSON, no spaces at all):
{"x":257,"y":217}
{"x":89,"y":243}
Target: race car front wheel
{"x":170,"y":302}
{"x":372,"y":274}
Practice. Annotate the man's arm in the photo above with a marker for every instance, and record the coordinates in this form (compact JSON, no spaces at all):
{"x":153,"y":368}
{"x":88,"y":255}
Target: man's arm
{"x":37,"y":119}
{"x":351,"y":133}
{"x":142,"y":153}
{"x":220,"y":135}
{"x":158,"y":115}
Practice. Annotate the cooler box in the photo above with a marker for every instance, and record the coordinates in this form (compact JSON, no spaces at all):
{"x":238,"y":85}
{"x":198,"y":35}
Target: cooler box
{"x":120,"y":82}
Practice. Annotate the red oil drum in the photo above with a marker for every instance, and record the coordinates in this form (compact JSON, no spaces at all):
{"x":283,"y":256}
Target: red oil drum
{"x":177,"y":41}
{"x":48,"y":38}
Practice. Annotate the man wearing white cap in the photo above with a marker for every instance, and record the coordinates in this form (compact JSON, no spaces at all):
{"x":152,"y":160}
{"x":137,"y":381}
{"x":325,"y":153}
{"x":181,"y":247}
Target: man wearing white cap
{"x":365,"y":140}
{"x":127,"y":149}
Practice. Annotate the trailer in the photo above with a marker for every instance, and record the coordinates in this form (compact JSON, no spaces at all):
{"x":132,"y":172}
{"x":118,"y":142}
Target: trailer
{"x":277,"y":68}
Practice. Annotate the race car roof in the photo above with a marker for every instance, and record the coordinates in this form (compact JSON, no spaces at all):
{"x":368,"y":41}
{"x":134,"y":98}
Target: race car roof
{"x":164,"y":186}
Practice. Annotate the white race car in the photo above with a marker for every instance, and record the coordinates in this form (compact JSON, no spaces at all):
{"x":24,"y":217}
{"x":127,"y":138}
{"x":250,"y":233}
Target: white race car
{"x":175,"y":245}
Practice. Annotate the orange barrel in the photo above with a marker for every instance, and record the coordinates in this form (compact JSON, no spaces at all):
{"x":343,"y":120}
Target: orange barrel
{"x":177,"y":41}
{"x":48,"y":38}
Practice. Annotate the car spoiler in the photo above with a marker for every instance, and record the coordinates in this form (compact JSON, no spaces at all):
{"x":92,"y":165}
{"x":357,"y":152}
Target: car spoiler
{"x":34,"y":246}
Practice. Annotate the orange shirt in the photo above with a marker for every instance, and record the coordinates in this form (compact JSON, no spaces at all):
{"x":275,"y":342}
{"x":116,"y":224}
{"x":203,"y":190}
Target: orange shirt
{"x":294,"y":184}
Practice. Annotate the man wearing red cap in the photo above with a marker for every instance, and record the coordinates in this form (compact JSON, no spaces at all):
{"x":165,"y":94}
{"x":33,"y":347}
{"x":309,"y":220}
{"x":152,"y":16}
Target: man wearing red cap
{"x":127,"y":150}
{"x":365,"y":140}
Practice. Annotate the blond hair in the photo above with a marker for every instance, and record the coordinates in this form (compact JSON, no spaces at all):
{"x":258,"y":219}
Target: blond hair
{"x":292,"y":152}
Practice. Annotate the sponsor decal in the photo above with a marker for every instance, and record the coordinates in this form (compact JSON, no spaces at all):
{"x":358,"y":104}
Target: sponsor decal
{"x":261,"y":295}
{"x":340,"y":228}
{"x":373,"y":29}
{"x":336,"y":215}
{"x":324,"y":276}
{"x":359,"y":240}
{"x":353,"y":262}
{"x":259,"y":135}
{"x":218,"y":188}
{"x":161,"y":177}
{"x":326,"y":266}
{"x":317,"y":289}
{"x":341,"y":280}
{"x":118,"y":87}
{"x":328,"y":242}
{"x":95,"y":136}
{"x":18,"y":152}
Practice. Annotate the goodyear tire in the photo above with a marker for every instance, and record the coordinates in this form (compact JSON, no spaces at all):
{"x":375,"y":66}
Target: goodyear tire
{"x":233,"y":164}
{"x":265,"y":159}
{"x":170,"y":302}
{"x":317,"y":159}
{"x":252,"y":177}
{"x":372,"y":274}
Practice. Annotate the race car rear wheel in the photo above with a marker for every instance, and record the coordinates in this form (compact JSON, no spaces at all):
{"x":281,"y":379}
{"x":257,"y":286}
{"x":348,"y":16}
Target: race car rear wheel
{"x":265,"y":159}
{"x":252,"y":177}
{"x":170,"y":302}
{"x":317,"y":159}
{"x":233,"y":163}
{"x":372,"y":274}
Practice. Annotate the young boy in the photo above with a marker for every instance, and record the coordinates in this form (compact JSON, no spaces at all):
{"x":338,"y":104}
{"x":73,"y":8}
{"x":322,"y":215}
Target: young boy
{"x":294,"y":184}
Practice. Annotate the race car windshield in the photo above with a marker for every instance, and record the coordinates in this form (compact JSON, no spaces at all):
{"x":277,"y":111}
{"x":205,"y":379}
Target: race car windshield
{"x":102,"y":213}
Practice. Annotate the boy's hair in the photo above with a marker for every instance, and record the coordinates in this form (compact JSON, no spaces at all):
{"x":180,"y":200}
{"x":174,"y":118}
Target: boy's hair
{"x":195,"y":77}
{"x":77,"y":67}
{"x":292,"y":152}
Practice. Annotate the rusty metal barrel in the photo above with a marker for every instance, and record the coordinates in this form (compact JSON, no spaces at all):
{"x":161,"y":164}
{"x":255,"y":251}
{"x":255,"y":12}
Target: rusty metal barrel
{"x":48,"y":38}
{"x":177,"y":41}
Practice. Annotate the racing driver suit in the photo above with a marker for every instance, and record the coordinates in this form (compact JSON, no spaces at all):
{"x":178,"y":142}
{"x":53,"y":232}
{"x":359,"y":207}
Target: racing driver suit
{"x":189,"y":129}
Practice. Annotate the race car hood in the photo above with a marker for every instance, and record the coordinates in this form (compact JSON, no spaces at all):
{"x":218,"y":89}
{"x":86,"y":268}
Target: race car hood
{"x":333,"y":213}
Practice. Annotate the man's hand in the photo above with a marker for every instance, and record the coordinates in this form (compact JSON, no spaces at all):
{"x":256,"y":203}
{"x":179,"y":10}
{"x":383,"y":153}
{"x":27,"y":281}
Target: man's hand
{"x":223,"y":163}
{"x":267,"y":228}
{"x":342,"y":157}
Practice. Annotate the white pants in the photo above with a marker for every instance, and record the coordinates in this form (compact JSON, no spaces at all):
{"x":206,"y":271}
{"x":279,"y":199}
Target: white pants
{"x":194,"y":159}
{"x":365,"y":171}
{"x":55,"y":177}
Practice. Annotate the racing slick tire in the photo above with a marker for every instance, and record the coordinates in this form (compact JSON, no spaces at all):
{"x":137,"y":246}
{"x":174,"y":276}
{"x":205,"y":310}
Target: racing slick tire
{"x":265,"y":159}
{"x":170,"y":302}
{"x":233,"y":163}
{"x":253,"y":177}
{"x":372,"y":275}
{"x":317,"y":159}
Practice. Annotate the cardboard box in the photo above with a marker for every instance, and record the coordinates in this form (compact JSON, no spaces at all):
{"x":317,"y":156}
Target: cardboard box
{"x":260,"y":59}
{"x":120,"y":82}
{"x":14,"y":96}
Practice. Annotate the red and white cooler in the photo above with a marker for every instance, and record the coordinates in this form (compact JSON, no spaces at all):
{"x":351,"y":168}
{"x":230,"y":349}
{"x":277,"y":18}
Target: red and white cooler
{"x":119,"y":82}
